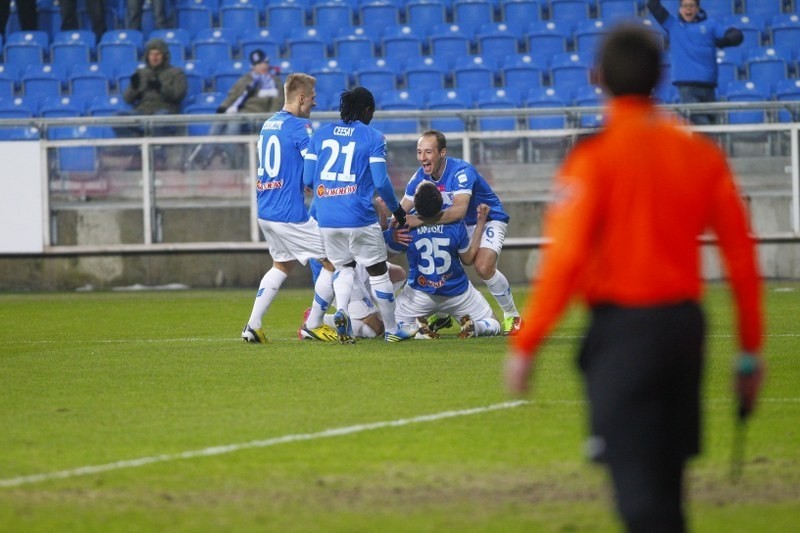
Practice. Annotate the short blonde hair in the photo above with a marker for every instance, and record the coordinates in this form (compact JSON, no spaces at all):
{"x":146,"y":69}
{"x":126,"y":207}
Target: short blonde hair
{"x":296,"y":83}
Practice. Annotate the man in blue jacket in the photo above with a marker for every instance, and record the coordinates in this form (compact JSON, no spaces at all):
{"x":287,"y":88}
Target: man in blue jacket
{"x":693,"y":42}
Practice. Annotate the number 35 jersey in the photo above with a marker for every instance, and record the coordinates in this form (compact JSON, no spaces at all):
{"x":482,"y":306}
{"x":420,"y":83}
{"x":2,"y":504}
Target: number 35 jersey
{"x":282,"y":145}
{"x":434,"y":265}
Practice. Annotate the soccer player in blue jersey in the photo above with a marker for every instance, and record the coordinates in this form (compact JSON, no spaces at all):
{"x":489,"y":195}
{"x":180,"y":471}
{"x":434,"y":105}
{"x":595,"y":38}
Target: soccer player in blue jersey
{"x":463,"y":189}
{"x":291,"y":234}
{"x":345,"y":165}
{"x":437,"y":282}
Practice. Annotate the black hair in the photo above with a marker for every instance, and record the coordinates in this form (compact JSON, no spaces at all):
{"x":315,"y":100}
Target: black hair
{"x":427,"y":199}
{"x":355,"y":103}
{"x":630,"y":61}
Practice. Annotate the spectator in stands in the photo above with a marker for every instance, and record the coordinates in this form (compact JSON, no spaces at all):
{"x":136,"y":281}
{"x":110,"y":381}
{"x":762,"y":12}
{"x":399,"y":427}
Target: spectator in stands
{"x":693,"y":42}
{"x":259,"y":91}
{"x":629,"y":207}
{"x":26,"y":12}
{"x":133,"y":16}
{"x":97,"y":15}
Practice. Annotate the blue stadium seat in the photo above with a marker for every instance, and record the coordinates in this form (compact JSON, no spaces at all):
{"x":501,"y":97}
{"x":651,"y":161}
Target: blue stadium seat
{"x":377,"y":15}
{"x":197,"y":75}
{"x":718,"y":9}
{"x":62,"y":106}
{"x":240,"y":17}
{"x":122,"y":73}
{"x":762,"y":8}
{"x":333,"y":76}
{"x":202,"y":104}
{"x":788,"y":91}
{"x":352,"y":47}
{"x":212,"y":51}
{"x":449,"y":41}
{"x":472,"y":14}
{"x":547,"y":38}
{"x":751,"y":27}
{"x":194,"y":17}
{"x":569,"y":11}
{"x":78,"y":159}
{"x":784,"y":30}
{"x":394,"y":101}
{"x":768,"y":65}
{"x":290,"y":65}
{"x":107,"y":106}
{"x":425,"y":73}
{"x":227,"y":73}
{"x":474,"y":73}
{"x":497,"y":40}
{"x":124,"y":36}
{"x":569,"y":71}
{"x":39,"y":37}
{"x":306,"y":44}
{"x":17,"y":108}
{"x":9,"y":80}
{"x":424,"y":15}
{"x":172,"y":36}
{"x":380,"y":75}
{"x":519,"y":14}
{"x":285,"y":16}
{"x":729,"y":63}
{"x":449,"y":99}
{"x":112,"y":53}
{"x":89,"y":79}
{"x":41,"y":81}
{"x":229,"y":35}
{"x":401,"y":42}
{"x":746,"y":91}
{"x":588,"y":34}
{"x":589,"y":96}
{"x":70,"y":47}
{"x":24,"y":53}
{"x":522,"y":71}
{"x":260,"y":39}
{"x":498,"y":98}
{"x":333,"y":14}
{"x":546,"y":98}
{"x":616,"y":10}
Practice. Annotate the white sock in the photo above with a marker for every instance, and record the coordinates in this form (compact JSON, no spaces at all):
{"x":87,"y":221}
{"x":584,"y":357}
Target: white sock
{"x":267,"y":290}
{"x":323,"y":295}
{"x":501,"y":290}
{"x":384,"y":297}
{"x":343,"y":280}
{"x":362,"y":330}
{"x":487,"y":327}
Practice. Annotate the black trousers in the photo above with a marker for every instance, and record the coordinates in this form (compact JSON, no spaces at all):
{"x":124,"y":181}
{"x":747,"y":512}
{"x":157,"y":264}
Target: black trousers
{"x":642,"y":369}
{"x":26,"y":12}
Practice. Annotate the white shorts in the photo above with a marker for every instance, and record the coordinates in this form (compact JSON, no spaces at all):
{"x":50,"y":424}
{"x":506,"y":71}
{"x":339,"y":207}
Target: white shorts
{"x":363,"y":245}
{"x":288,"y":241}
{"x":494,"y":234}
{"x":413,"y":303}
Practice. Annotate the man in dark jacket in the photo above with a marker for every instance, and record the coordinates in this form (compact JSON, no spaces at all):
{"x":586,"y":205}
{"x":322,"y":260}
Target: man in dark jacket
{"x":158,"y":87}
{"x":693,"y":42}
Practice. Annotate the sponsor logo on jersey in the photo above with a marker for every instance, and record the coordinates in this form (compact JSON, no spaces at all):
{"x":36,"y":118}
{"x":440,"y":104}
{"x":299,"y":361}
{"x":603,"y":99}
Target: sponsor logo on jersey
{"x":422,"y":281}
{"x":309,"y":129}
{"x":324,"y":192}
{"x":269,"y":185}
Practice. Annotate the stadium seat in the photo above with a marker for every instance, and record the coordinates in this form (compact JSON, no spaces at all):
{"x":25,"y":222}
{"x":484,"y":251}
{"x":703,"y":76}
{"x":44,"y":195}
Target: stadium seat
{"x":394,"y":101}
{"x":172,"y":36}
{"x":474,"y":73}
{"x":288,"y":66}
{"x":449,"y":99}
{"x":569,"y":11}
{"x":88,"y":79}
{"x":352,"y":47}
{"x":569,"y":71}
{"x":72,"y":47}
{"x":122,"y":73}
{"x":17,"y":108}
{"x":107,"y":106}
{"x":448,"y":42}
{"x":751,"y":27}
{"x":333,"y":76}
{"x":589,"y":96}
{"x":240,"y":17}
{"x":197,"y":74}
{"x":425,"y":73}
{"x":283,"y":17}
{"x":498,"y":98}
{"x":746,"y":91}
{"x":194,"y":17}
{"x":424,"y":15}
{"x":112,"y":53}
{"x":497,"y":40}
{"x":762,"y":8}
{"x":729,"y":62}
{"x":548,"y":38}
{"x":227,"y":73}
{"x":62,"y":106}
{"x":24,"y":53}
{"x":377,"y":15}
{"x":124,"y":36}
{"x":611,"y":11}
{"x":333,"y":14}
{"x":719,"y":9}
{"x":401,"y":42}
{"x":306,"y":44}
{"x":768,"y":65}
{"x":213,"y":51}
{"x":784,"y":30}
{"x":41,"y":81}
{"x":472,"y":14}
{"x":379,"y":74}
{"x":230,"y":35}
{"x":546,"y":98}
{"x":78,"y":159}
{"x":519,"y":14}
{"x":788,"y":91}
{"x":261,"y":39}
{"x":9,"y":80}
{"x":522,"y":71}
{"x":587,"y":36}
{"x":202,"y":104}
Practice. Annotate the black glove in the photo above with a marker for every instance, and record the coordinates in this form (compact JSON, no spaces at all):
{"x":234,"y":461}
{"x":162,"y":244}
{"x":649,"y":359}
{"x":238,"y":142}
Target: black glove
{"x":749,"y":373}
{"x":221,"y":109}
{"x":154,"y":83}
{"x":135,"y":80}
{"x":400,"y":216}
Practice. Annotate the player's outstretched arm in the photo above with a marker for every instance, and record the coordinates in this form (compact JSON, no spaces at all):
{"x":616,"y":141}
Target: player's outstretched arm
{"x":468,"y":257}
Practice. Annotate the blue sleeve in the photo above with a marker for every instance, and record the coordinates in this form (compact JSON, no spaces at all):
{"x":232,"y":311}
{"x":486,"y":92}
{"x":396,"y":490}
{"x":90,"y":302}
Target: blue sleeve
{"x":309,"y":168}
{"x":383,"y":185}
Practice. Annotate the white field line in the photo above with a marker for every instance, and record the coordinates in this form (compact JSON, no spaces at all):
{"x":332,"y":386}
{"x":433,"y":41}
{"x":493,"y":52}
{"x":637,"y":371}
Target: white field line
{"x":230,"y":448}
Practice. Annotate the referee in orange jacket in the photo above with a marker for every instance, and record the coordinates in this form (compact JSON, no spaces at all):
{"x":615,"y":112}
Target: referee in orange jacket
{"x":631,"y":203}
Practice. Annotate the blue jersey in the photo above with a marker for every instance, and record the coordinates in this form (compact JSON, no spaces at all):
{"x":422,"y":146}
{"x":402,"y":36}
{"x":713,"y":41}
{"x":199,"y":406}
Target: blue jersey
{"x":434,"y":265}
{"x":345,"y":165}
{"x":281,"y":147}
{"x":459,"y":177}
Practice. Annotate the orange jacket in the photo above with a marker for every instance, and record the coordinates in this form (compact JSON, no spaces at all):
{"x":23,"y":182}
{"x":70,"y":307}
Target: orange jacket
{"x":630,"y":205}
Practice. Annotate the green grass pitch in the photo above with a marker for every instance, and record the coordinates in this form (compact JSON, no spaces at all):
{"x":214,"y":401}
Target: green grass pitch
{"x":145,"y":412}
